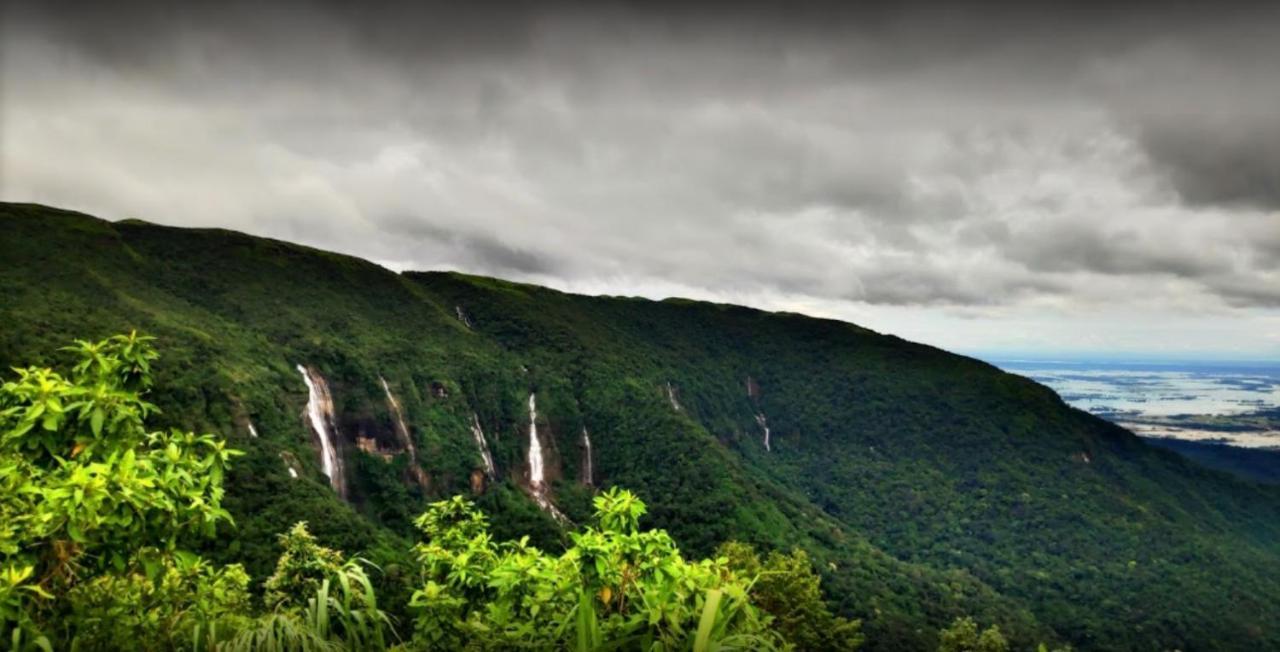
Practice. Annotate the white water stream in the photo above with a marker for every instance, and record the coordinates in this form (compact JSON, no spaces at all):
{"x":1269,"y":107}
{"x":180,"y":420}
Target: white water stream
{"x":537,"y":473}
{"x":402,"y":431}
{"x":536,"y":477}
{"x":764,"y":424}
{"x":462,"y":316}
{"x":671,"y":396}
{"x":483,"y":445}
{"x":320,"y":415}
{"x":587,"y":473}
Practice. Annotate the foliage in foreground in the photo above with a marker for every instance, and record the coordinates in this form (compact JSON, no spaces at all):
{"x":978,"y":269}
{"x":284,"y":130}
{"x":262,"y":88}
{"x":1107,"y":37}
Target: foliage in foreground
{"x":615,"y":586}
{"x":788,"y":589}
{"x":91,"y":503}
{"x":93,"y":509}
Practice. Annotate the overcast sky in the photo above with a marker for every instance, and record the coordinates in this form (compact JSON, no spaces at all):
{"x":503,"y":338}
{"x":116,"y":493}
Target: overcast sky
{"x":1016,"y":179}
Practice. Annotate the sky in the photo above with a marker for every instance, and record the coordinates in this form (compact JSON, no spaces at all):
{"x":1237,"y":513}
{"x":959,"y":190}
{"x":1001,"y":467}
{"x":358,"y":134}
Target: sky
{"x":1003,"y":179}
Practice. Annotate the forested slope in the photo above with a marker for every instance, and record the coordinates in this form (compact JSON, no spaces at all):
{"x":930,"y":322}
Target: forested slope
{"x":925,"y":485}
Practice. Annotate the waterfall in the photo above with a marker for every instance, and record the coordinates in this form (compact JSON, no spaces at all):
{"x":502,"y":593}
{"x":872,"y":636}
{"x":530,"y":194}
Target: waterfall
{"x":587,"y":473}
{"x":402,"y":431}
{"x":253,"y":432}
{"x":764,"y":424}
{"x":320,"y":416}
{"x":287,"y":458}
{"x":483,"y":445}
{"x":537,"y":474}
{"x":671,"y":396}
{"x":462,"y":316}
{"x":535,"y":449}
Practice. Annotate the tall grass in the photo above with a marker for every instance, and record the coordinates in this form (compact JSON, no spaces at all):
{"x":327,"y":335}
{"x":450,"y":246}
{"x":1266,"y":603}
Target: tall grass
{"x":345,"y":620}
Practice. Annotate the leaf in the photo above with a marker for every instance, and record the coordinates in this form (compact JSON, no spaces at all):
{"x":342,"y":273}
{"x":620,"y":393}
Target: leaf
{"x":588,"y":627}
{"x":95,"y":421}
{"x":702,"y":642}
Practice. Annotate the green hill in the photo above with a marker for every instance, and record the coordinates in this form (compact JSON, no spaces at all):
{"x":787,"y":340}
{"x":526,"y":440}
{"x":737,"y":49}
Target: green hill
{"x":925,"y":485}
{"x":1253,"y":464}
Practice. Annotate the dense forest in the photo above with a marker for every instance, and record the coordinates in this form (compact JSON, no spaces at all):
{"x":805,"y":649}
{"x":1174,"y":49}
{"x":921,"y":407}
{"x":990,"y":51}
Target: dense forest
{"x":329,"y":455}
{"x":97,"y":508}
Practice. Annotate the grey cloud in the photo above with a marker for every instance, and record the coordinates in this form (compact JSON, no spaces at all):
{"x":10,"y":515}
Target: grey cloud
{"x":1068,"y":247}
{"x":920,"y":155}
{"x":1232,"y":165}
{"x":479,"y":252}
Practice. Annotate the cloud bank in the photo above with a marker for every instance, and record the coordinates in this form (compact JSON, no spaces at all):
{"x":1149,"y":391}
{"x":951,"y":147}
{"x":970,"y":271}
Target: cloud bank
{"x":938,"y":171}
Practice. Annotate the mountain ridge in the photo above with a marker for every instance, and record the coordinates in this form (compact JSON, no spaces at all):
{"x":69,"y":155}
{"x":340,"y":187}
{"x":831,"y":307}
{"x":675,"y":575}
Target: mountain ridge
{"x":919,"y":480}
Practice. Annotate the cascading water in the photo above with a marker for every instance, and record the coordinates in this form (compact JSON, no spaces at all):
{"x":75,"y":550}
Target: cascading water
{"x":535,"y":449}
{"x":253,"y":432}
{"x":483,"y":445}
{"x":288,"y":460}
{"x":765,"y":425}
{"x":587,"y":471}
{"x":671,"y":396}
{"x":402,"y":432}
{"x":320,"y":416}
{"x":537,"y":473}
{"x":462,"y":316}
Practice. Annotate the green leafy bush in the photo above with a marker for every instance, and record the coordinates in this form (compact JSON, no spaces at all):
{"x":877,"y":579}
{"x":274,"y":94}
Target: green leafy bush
{"x":963,"y":636}
{"x":614,"y":587}
{"x":787,"y":588}
{"x":89,"y":498}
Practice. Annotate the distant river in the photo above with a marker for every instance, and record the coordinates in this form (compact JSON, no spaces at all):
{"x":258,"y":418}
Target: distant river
{"x":1234,"y":403}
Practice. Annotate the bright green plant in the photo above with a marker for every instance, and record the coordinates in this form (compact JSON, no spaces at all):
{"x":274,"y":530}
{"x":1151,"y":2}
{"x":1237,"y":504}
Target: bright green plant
{"x":193,"y":605}
{"x":318,"y":601}
{"x":963,"y":636}
{"x":615,"y":587}
{"x":787,"y":588}
{"x":86,"y":491}
{"x":302,"y":568}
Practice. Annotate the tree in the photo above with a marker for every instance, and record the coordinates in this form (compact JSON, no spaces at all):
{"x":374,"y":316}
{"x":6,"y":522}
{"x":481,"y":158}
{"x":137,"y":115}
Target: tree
{"x":303,"y":567}
{"x":86,"y":490}
{"x":963,"y":636}
{"x":786,"y":587}
{"x":317,"y":600}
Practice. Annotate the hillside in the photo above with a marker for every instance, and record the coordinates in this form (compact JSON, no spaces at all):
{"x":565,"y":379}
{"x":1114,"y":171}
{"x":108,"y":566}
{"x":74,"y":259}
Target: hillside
{"x":925,"y":485}
{"x":1253,"y":464}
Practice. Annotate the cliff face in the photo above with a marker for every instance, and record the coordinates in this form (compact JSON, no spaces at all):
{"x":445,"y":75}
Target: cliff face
{"x":924,"y":484}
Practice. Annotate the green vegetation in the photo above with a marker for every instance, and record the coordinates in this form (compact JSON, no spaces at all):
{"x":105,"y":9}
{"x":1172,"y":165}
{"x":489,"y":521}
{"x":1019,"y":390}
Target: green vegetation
{"x":614,"y":586}
{"x":95,"y":505}
{"x":963,"y":636}
{"x":1253,"y":464}
{"x":91,"y":504}
{"x":921,"y":486}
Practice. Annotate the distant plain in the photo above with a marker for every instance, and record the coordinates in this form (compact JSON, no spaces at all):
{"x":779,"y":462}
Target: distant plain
{"x":1233,"y":403}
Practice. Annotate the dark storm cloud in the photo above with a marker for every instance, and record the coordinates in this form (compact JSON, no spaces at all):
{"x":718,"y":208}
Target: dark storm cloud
{"x":1236,"y":163}
{"x":891,"y":153}
{"x":479,"y":252}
